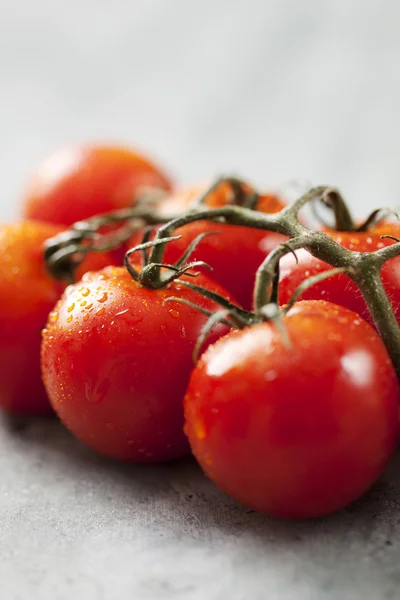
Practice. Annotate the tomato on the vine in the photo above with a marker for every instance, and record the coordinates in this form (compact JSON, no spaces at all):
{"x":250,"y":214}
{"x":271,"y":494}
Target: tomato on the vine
{"x":235,"y":253}
{"x":78,"y":182}
{"x":340,"y":289}
{"x":116,"y":360}
{"x":299,"y":431}
{"x":27,"y":295}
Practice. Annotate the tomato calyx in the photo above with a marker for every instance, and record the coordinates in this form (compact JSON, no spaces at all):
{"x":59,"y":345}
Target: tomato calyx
{"x":157,"y":275}
{"x":377,"y":217}
{"x":343,"y":219}
{"x":241,"y":193}
{"x":334,"y":201}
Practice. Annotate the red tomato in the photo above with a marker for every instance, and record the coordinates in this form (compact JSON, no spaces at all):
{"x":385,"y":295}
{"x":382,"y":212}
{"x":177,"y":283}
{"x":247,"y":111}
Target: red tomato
{"x":27,"y":295}
{"x":116,"y":362}
{"x":339,"y":289}
{"x":235,"y":253}
{"x":299,"y":432}
{"x":78,"y":182}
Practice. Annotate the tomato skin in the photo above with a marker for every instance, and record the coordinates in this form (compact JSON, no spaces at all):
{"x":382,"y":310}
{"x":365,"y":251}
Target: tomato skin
{"x":339,"y":289}
{"x":27,"y":295}
{"x":296,"y":433}
{"x":234,"y":253}
{"x":78,"y":182}
{"x":116,"y":362}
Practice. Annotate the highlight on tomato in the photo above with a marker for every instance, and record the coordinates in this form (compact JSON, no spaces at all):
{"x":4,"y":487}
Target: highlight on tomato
{"x":298,"y":430}
{"x":27,"y":295}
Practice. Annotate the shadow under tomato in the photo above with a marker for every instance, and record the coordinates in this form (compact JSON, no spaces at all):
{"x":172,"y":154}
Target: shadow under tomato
{"x":190,"y":498}
{"x":185,"y":480}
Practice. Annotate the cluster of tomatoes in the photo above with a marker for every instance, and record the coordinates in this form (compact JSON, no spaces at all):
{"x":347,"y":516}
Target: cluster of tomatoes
{"x":295,"y":423}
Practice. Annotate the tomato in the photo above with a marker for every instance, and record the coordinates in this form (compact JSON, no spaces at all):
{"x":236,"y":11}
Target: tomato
{"x":339,"y":289}
{"x":78,"y":182}
{"x":116,"y":361}
{"x":27,"y":295}
{"x":235,"y":253}
{"x":298,"y":432}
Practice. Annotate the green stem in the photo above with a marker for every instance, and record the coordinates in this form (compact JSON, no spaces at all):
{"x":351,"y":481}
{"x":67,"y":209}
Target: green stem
{"x":370,"y":284}
{"x":269,"y":270}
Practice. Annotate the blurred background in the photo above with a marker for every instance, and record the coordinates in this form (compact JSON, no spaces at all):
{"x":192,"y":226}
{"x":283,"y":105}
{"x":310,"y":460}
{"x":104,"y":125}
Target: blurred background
{"x":274,"y":90}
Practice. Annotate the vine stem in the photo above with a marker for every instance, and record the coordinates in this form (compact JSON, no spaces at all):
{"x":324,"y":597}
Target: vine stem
{"x":364,"y":268}
{"x":369,"y":282}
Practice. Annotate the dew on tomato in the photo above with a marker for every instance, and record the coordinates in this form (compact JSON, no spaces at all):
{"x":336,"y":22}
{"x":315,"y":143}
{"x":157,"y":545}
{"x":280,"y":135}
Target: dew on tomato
{"x":339,"y":289}
{"x":125,"y":360}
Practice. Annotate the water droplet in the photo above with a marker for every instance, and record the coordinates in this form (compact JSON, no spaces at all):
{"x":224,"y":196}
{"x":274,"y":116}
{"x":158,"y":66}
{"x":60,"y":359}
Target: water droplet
{"x":71,"y":308}
{"x":334,"y":337}
{"x":110,"y":425}
{"x":174,"y":313}
{"x":209,"y":461}
{"x":200,"y":430}
{"x":89,"y":306}
{"x":104,"y":298}
{"x":69,"y":319}
{"x":215,"y":411}
{"x":85,"y":292}
{"x":122,"y":312}
{"x":53,"y":317}
{"x":83,"y":303}
{"x":85,"y":318}
{"x":270,"y":375}
{"x":369,"y":240}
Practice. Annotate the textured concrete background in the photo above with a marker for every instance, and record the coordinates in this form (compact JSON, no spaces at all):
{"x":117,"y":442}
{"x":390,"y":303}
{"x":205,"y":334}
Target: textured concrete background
{"x":275,"y":91}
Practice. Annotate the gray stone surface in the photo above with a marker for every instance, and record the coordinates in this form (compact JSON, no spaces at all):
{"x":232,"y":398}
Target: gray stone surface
{"x":275,"y":90}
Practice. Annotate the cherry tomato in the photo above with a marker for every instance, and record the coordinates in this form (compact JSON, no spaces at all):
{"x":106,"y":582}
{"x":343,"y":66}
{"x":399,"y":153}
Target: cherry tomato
{"x":299,"y":432}
{"x":116,"y":361}
{"x":27,"y":295}
{"x":339,"y":289}
{"x":78,"y":182}
{"x":235,"y":253}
